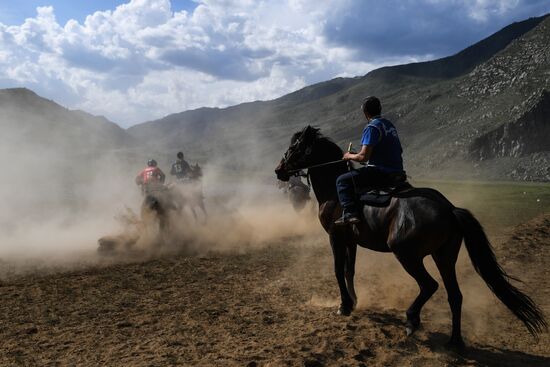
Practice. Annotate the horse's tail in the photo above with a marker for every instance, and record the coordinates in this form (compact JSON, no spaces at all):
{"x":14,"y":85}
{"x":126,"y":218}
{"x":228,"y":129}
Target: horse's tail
{"x":486,"y":265}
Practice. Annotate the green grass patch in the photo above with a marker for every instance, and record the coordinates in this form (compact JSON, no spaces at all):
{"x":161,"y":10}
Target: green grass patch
{"x":499,"y":206}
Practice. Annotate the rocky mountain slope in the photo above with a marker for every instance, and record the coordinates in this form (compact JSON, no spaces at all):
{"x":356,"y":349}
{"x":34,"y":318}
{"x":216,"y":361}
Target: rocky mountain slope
{"x":448,"y":112}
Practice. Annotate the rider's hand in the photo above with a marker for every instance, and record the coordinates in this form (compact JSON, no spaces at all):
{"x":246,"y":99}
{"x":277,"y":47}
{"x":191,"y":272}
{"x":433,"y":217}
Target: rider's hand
{"x":348,"y":156}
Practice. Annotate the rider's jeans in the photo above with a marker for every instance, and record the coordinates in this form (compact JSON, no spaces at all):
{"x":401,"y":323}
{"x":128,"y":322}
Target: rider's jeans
{"x":358,"y":178}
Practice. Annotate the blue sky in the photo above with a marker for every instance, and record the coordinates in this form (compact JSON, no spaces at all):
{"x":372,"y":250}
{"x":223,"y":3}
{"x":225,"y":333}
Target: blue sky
{"x":137,"y":60}
{"x":15,"y":12}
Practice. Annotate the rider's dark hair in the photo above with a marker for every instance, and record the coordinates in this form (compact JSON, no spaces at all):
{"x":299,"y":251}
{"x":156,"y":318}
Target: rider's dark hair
{"x":372,"y":106}
{"x":180,"y":155}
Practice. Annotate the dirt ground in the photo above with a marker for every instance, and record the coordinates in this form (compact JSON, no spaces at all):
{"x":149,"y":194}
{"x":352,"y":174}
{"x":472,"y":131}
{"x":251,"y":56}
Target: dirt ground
{"x":271,"y":306}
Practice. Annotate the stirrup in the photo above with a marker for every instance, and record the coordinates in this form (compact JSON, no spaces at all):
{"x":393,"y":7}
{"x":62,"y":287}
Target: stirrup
{"x":347,"y":218}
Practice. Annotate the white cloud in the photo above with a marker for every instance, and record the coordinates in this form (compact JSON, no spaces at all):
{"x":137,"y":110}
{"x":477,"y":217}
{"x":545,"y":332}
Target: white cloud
{"x":142,"y":61}
{"x":481,"y":10}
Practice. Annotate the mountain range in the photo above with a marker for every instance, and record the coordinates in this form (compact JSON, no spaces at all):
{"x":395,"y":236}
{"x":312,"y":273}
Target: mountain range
{"x":483,"y":113}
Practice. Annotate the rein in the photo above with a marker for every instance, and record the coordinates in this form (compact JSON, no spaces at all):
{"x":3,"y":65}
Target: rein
{"x":294,"y":171}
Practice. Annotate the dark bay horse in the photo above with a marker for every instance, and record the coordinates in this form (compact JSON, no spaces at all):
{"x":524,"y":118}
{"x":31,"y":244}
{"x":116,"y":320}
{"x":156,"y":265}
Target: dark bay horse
{"x":421,"y":223}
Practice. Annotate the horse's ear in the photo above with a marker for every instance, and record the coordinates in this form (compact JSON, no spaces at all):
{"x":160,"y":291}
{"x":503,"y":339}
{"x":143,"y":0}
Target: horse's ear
{"x":310,"y":131}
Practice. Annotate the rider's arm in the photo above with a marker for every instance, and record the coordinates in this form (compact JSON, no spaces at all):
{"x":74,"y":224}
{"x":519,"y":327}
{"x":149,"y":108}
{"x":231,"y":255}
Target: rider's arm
{"x":362,"y":156}
{"x":162,"y":176}
{"x":371,"y":137}
{"x":139,"y":179}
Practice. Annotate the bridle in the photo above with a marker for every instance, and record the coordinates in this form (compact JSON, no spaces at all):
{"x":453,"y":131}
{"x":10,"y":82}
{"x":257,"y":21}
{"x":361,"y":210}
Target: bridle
{"x":291,"y":151}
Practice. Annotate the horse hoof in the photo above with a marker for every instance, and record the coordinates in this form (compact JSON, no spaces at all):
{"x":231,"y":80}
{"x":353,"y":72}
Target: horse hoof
{"x":411,"y":327}
{"x":343,"y":311}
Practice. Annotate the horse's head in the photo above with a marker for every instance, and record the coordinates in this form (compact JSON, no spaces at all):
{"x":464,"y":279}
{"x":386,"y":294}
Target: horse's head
{"x":299,"y":153}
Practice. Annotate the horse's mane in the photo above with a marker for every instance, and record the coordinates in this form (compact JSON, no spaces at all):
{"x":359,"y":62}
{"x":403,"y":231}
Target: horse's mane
{"x":319,"y":138}
{"x":295,"y":136}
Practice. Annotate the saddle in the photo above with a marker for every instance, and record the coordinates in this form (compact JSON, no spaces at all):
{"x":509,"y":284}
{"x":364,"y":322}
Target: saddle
{"x":380,"y":195}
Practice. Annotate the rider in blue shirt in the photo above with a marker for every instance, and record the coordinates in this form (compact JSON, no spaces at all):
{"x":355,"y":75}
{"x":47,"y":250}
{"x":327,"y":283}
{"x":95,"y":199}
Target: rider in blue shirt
{"x":380,"y":149}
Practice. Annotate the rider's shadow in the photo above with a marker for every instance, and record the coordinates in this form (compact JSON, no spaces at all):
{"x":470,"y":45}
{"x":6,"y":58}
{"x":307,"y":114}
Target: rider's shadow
{"x":487,"y":355}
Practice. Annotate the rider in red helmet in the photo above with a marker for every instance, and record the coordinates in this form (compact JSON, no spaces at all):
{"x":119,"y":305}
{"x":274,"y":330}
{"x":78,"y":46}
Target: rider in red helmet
{"x":150,"y":178}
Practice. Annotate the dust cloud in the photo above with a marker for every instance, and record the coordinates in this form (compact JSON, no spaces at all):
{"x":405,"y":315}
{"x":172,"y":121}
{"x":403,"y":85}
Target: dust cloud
{"x":58,"y":201}
{"x":55,"y":206}
{"x":68,"y":181}
{"x":241,"y":214}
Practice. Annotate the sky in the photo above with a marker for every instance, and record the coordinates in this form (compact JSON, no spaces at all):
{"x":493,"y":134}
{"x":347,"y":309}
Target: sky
{"x":139,"y":60}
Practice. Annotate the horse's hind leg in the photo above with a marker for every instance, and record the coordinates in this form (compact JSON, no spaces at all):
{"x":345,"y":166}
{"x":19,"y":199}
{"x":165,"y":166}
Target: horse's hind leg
{"x":414,"y":265}
{"x":445,"y":259}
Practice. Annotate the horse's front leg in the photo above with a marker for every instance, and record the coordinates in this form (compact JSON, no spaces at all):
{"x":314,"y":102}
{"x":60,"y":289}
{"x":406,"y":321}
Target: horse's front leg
{"x":350,"y":271}
{"x":340,"y":254}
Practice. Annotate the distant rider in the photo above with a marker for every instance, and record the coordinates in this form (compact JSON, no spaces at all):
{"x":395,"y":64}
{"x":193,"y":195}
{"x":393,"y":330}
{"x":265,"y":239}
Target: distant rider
{"x":381,"y":149}
{"x":296,"y":181}
{"x":151,"y":178}
{"x":180,"y":168}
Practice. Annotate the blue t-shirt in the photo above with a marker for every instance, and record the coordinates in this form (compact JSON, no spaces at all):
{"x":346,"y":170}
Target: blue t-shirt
{"x":386,"y":153}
